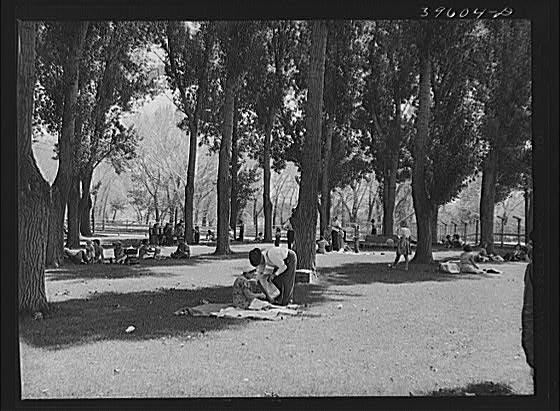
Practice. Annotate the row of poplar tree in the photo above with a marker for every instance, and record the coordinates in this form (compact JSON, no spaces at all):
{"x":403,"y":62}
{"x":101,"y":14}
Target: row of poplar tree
{"x":433,"y":101}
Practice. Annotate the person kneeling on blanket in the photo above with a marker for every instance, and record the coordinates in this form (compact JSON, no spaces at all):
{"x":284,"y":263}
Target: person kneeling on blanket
{"x":284,"y":262}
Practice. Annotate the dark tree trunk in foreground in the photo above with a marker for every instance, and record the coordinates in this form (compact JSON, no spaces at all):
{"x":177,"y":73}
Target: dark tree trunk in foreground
{"x":86,"y":205}
{"x":234,"y":170}
{"x":325,"y":180}
{"x":487,"y":201}
{"x":224,"y":177}
{"x":33,"y":190}
{"x":306,"y":213}
{"x":73,"y":207}
{"x":422,"y":205}
{"x":61,"y":185}
{"x":389,"y":194}
{"x":267,"y":204}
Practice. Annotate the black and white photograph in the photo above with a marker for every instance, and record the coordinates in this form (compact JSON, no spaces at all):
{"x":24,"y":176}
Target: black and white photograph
{"x":281,"y":208}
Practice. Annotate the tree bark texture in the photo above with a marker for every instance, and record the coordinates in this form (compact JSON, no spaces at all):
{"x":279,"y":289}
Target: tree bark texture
{"x":234,"y":171}
{"x":325,"y":179}
{"x":224,"y":172}
{"x":73,"y":207}
{"x":86,"y":204}
{"x":422,"y":205}
{"x":62,"y":181}
{"x":267,"y":204}
{"x":487,"y":200}
{"x":390,"y":171}
{"x":306,"y":212}
{"x":33,"y":190}
{"x":435,"y":212}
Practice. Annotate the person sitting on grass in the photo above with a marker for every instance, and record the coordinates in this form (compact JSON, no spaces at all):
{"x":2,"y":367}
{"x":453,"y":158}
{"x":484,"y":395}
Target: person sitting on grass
{"x":147,"y":252}
{"x":448,"y":242}
{"x":183,"y":251}
{"x":482,"y":255}
{"x":210,"y":236}
{"x":457,"y":242}
{"x":322,"y":245}
{"x":75,"y":256}
{"x":90,"y":252}
{"x":403,"y":245}
{"x":259,"y":238}
{"x":284,"y":262}
{"x":467,"y":264}
{"x":118,"y":250}
{"x":246,"y":289}
{"x":98,"y":257}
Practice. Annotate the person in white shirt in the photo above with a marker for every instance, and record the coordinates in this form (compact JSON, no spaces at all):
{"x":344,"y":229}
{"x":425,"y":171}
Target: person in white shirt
{"x":284,"y":262}
{"x":403,"y":244}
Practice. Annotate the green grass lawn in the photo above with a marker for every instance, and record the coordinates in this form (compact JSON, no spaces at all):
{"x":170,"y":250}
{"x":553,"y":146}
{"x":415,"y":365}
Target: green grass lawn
{"x":373,"y":331}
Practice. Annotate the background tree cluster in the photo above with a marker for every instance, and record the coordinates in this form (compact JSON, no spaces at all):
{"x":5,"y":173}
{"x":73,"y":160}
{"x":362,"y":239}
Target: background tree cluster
{"x":376,"y":110}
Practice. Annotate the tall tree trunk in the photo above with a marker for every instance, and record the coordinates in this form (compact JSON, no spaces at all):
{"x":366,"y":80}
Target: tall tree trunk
{"x":234,"y":171}
{"x":487,"y":200}
{"x":224,"y":175}
{"x":306,"y":211}
{"x":255,"y":217}
{"x":267,"y":204}
{"x":325,"y":178}
{"x":73,"y":207}
{"x":33,"y":191}
{"x":528,"y":213}
{"x":422,"y":204}
{"x":86,"y":204}
{"x":435,"y":212}
{"x":389,"y":192}
{"x":61,"y":183}
{"x":156,"y":208}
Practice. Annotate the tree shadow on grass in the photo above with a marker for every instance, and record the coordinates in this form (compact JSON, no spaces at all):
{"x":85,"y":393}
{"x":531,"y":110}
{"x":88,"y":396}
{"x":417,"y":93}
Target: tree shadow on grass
{"x":106,"y":316}
{"x":112,"y":271}
{"x":474,"y":389}
{"x":367,"y":273}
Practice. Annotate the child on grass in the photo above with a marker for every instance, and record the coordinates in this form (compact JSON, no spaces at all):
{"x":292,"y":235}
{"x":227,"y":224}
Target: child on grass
{"x":245,"y":289}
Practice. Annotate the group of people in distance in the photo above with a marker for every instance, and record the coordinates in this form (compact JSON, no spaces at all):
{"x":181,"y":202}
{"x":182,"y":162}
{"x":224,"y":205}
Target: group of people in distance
{"x":452,"y":242}
{"x":92,"y":253}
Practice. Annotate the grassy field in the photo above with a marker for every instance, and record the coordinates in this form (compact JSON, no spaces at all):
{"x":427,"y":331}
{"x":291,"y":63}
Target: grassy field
{"x":369,"y":331}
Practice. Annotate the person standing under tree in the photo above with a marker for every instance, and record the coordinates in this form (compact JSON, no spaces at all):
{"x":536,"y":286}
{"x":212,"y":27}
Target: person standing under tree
{"x":403,"y":244}
{"x":277,"y":237}
{"x":335,"y":232}
{"x":289,"y":226}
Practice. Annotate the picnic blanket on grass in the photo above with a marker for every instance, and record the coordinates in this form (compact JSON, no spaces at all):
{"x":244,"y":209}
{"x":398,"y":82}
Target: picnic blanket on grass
{"x":258,"y":310}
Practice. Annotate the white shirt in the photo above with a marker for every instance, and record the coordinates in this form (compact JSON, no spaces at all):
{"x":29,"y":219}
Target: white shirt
{"x":274,"y":257}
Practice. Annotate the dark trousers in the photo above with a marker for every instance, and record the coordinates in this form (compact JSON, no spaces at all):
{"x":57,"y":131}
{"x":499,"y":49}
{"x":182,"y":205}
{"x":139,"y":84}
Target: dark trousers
{"x":334,"y":241}
{"x":285,"y":282}
{"x":277,"y":241}
{"x":290,"y":235}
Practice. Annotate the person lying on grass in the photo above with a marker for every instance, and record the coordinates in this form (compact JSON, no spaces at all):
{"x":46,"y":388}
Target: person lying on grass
{"x":75,"y":256}
{"x":467,"y":263}
{"x":283,"y":262}
{"x":246,"y":289}
{"x":146,"y":251}
{"x":183,"y":251}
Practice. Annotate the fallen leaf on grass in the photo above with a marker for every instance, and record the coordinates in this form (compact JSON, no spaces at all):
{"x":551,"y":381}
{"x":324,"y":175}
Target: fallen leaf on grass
{"x":130,"y":329}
